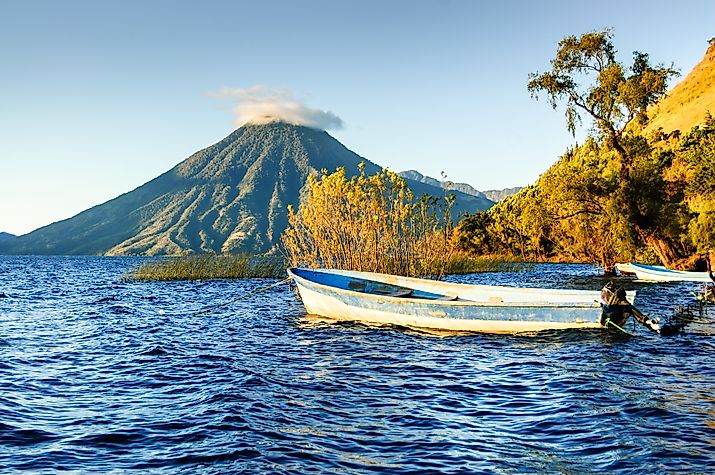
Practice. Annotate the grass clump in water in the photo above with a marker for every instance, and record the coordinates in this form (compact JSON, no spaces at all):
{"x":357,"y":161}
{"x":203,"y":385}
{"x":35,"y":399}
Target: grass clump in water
{"x":204,"y":267}
{"x":463,"y":263}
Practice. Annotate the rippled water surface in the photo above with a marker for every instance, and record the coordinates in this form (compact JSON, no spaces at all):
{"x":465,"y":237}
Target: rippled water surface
{"x":100,"y":375}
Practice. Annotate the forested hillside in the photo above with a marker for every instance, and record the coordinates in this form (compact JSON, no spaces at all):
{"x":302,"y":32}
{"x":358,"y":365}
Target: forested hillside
{"x":631,"y":192}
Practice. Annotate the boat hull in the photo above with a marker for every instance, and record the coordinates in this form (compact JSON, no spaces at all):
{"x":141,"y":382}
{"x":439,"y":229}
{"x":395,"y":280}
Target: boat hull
{"x":496,"y":311}
{"x":661,"y":274}
{"x":625,"y":269}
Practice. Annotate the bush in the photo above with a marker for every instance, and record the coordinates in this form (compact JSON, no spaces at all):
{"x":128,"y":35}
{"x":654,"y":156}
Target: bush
{"x":369,"y":223}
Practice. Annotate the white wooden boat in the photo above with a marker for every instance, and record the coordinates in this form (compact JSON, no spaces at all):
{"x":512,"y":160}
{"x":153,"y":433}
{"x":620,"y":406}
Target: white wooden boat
{"x":625,"y":269}
{"x":389,"y":299}
{"x":661,"y":274}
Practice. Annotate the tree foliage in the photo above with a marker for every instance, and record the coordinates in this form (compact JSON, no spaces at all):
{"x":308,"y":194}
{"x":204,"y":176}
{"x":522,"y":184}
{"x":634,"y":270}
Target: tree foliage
{"x":573,"y":212}
{"x":691,"y":174}
{"x":587,"y":77}
{"x":621,"y":195}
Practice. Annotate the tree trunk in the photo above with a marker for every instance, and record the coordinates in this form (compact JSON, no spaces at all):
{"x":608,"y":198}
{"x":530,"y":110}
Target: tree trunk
{"x":609,"y":269}
{"x":664,"y":249}
{"x":626,"y":161}
{"x":694,"y":263}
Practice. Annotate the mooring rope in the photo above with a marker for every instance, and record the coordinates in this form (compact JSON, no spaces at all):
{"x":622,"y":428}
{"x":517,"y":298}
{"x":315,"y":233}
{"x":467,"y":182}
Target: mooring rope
{"x":609,"y":322}
{"x":211,"y":309}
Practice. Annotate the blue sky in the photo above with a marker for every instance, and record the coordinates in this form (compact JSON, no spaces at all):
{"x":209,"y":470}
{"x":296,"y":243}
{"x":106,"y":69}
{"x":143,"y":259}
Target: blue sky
{"x":96,"y":98}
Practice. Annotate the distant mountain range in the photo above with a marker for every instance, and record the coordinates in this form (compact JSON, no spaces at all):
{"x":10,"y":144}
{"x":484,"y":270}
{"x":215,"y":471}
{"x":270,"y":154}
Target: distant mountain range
{"x":229,"y":197}
{"x":491,"y":195}
{"x":498,"y":195}
{"x":4,"y":236}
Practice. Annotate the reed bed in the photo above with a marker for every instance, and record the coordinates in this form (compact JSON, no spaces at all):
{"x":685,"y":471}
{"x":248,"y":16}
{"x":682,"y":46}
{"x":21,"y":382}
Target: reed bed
{"x":364,"y":223}
{"x":461,"y":263}
{"x":376,"y":224}
{"x":205,"y":267}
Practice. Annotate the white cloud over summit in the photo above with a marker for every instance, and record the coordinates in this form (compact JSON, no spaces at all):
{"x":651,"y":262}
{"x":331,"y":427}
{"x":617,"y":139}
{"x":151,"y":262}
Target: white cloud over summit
{"x":262,"y":104}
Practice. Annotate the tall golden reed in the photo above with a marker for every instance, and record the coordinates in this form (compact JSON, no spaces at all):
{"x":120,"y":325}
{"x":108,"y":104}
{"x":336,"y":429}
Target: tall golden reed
{"x":369,"y":223}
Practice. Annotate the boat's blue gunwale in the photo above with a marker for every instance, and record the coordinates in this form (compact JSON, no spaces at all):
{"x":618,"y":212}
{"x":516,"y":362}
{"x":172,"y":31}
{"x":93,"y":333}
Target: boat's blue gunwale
{"x":665,"y":270}
{"x":377,"y":277}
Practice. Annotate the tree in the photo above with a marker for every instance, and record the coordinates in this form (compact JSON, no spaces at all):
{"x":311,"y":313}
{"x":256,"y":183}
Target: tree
{"x":578,"y":194}
{"x":693,"y":167}
{"x":473,"y":234}
{"x":587,"y":77}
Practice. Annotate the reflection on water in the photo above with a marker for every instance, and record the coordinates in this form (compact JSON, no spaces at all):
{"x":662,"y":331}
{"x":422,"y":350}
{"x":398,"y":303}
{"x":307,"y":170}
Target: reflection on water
{"x":100,"y":375}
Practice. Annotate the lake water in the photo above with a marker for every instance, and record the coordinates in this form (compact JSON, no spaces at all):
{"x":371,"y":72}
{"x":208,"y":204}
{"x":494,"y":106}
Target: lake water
{"x":99,"y":375}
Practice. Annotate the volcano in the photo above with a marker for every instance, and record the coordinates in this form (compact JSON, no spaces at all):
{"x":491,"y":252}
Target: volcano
{"x":227,"y":198}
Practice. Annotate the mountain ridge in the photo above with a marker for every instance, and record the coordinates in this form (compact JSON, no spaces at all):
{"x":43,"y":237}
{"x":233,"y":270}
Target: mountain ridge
{"x":492,"y":195}
{"x":498,"y":195}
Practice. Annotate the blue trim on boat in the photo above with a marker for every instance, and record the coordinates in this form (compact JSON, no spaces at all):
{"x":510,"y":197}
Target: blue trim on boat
{"x":659,"y":269}
{"x":367,"y":286}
